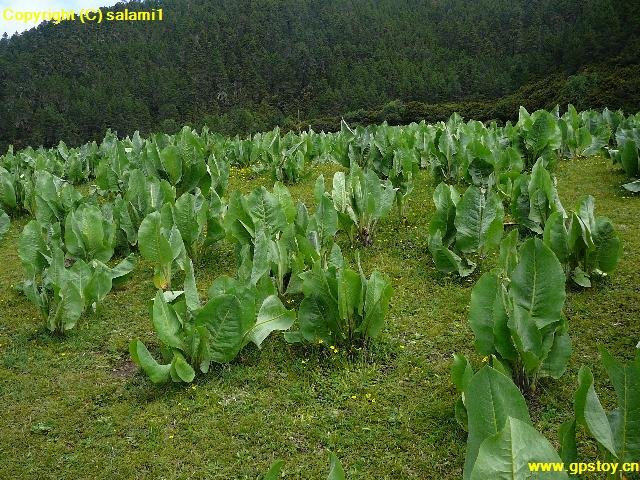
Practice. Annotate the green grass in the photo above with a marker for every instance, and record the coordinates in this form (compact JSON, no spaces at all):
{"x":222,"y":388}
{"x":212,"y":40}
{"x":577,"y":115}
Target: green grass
{"x":75,"y":407}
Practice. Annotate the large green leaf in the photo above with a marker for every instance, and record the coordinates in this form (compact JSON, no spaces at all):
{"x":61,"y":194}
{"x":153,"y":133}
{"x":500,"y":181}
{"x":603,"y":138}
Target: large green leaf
{"x":227,"y":326}
{"x":261,"y":249}
{"x":67,"y":307}
{"x":556,"y":236}
{"x":340,"y":194}
{"x":567,"y":433}
{"x":479,"y":218}
{"x":275,"y":470}
{"x":629,"y":158}
{"x":190,"y":289}
{"x":544,"y":134}
{"x":265,"y":209}
{"x":166,"y":323}
{"x":543,"y":196}
{"x":507,"y":454}
{"x":152,"y":242}
{"x":318,"y":319}
{"x":285,"y":200}
{"x":351,"y":291}
{"x":4,"y":223}
{"x":190,"y":216}
{"x":445,"y":198}
{"x":180,"y":370}
{"x":156,"y":372}
{"x":336,"y":472}
{"x":607,"y":244}
{"x":326,"y":218}
{"x":172,"y":163}
{"x":491,"y":398}
{"x":625,"y":419}
{"x":483,"y":298}
{"x":537,"y":284}
{"x":446,"y":260}
{"x":88,"y":234}
{"x":7,"y":191}
{"x":589,"y":411}
{"x":376,"y":304}
{"x":461,"y":372}
{"x":99,"y":283}
{"x":271,"y":316}
{"x":122,"y":270}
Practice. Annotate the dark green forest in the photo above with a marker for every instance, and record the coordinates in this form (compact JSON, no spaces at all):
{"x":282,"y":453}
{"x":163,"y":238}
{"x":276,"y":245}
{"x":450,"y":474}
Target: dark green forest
{"x":241,"y":66}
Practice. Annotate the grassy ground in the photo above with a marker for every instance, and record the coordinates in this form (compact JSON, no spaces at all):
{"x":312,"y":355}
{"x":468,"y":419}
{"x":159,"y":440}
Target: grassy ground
{"x":77,"y":408}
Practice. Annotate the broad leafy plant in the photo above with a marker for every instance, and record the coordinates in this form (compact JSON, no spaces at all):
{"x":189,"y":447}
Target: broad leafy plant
{"x":53,"y":198}
{"x":160,"y":242}
{"x":534,"y":198}
{"x":89,"y":234}
{"x":112,"y":171}
{"x":462,"y":226}
{"x":62,"y":292}
{"x":341,"y":306}
{"x":402,"y":175}
{"x":586,"y":245}
{"x":180,"y":160}
{"x":516,"y":312}
{"x":361,"y":200}
{"x":194,"y":336}
{"x":143,"y":196}
{"x":627,"y":154}
{"x":616,"y":432}
{"x":501,"y":440}
{"x":584,"y":134}
{"x":539,"y":137}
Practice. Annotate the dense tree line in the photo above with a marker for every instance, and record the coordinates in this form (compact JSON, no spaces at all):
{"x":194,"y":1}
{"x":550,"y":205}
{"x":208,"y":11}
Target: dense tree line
{"x":246,"y":65}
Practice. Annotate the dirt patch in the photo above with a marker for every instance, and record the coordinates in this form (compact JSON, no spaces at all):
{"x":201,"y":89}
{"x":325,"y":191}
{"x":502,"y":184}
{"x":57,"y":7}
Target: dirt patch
{"x":126,"y":369}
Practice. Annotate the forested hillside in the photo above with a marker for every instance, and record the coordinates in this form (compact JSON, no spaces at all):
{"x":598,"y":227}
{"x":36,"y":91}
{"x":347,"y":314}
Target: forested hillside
{"x":243,"y":66}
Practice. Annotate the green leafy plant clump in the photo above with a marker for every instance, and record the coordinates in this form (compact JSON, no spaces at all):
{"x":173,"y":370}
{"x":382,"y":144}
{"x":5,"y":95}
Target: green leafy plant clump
{"x":502,"y":443}
{"x":341,"y":306}
{"x":516,"y":312}
{"x":361,"y":200}
{"x":464,"y":227}
{"x":194,"y":336}
{"x":586,"y":245}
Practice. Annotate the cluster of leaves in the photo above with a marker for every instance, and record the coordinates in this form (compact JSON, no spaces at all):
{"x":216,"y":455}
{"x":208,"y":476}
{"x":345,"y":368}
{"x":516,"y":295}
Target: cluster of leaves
{"x":8,"y":200}
{"x":537,"y":136}
{"x":282,"y":251}
{"x":472,"y":153}
{"x":585,"y":244}
{"x":462,"y":226}
{"x":62,"y":286}
{"x":501,"y":441}
{"x":341,"y":305}
{"x":516,"y":312}
{"x":267,"y":226}
{"x":284,"y":156}
{"x":627,"y":153}
{"x":298,"y":251}
{"x":196,"y":335}
{"x":534,"y":198}
{"x":616,"y":432}
{"x":181,"y":160}
{"x":361,"y":200}
{"x":587,"y":133}
{"x":393,"y":153}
